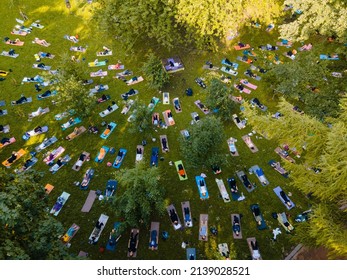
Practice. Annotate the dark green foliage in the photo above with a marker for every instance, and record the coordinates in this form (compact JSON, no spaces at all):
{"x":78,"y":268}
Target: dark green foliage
{"x":141,"y":117}
{"x":156,"y":76}
{"x":28,"y":231}
{"x":143,"y":196}
{"x":218,"y":97}
{"x":204,"y":147}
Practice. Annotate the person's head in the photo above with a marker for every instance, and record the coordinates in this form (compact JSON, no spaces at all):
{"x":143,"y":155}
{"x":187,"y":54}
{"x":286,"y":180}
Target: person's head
{"x":288,"y":203}
{"x":131,"y":253}
{"x":259,"y":222}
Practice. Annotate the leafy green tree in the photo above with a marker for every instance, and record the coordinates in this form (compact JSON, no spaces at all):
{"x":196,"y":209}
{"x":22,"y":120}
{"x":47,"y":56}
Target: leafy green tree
{"x":141,"y":117}
{"x":209,"y":22}
{"x":309,"y":82}
{"x":142,"y":197}
{"x":218,"y":97}
{"x":28,"y":231}
{"x":156,"y":76}
{"x":204,"y":147}
{"x":327,"y":17}
{"x":321,"y":171}
{"x":136,"y":21}
{"x":72,"y":95}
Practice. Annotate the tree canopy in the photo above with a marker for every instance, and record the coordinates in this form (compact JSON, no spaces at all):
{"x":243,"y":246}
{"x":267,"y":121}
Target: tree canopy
{"x":325,"y":17}
{"x":204,"y":147}
{"x":156,"y":76}
{"x":28,"y":230}
{"x":323,"y":150}
{"x":142,"y":196}
{"x":218,"y":98}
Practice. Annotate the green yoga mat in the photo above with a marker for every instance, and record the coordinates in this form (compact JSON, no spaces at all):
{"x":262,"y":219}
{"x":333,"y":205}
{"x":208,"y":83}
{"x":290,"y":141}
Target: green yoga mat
{"x":177,"y":163}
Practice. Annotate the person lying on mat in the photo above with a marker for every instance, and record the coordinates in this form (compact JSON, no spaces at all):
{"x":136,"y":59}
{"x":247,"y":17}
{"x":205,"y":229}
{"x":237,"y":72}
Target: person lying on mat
{"x":164,"y":142}
{"x":11,"y":52}
{"x":202,"y":107}
{"x":38,"y":129}
{"x":59,"y":162}
{"x":203,"y":230}
{"x":285,"y":198}
{"x":255,"y":249}
{"x":155,"y":119}
{"x":233,"y":187}
{"x":138,"y":151}
{"x":132,"y":243}
{"x":28,"y":163}
{"x":41,"y":65}
{"x":153,"y":244}
{"x":236,"y":225}
{"x":187,"y":215}
{"x":102,"y":154}
{"x":5,"y":140}
{"x":104,"y":97}
{"x":2,"y":113}
{"x":119,"y":157}
{"x":181,"y":171}
{"x":241,"y":45}
{"x":21,"y":100}
{"x":257,"y":215}
{"x":13,"y":157}
{"x":173,"y":217}
{"x":45,"y":94}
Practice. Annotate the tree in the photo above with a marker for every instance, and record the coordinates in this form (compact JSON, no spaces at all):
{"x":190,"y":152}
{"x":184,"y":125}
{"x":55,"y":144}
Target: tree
{"x":209,"y":22}
{"x":141,"y":117}
{"x":143,"y":196}
{"x":321,"y":171}
{"x":137,"y":21}
{"x":218,"y":97}
{"x":326,"y":17}
{"x":302,"y":132}
{"x":308,"y":81}
{"x":28,"y":230}
{"x":204,"y":147}
{"x":72,"y":95}
{"x":156,"y":76}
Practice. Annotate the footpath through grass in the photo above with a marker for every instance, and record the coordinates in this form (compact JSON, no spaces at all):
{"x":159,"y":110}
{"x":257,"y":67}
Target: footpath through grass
{"x":59,"y":22}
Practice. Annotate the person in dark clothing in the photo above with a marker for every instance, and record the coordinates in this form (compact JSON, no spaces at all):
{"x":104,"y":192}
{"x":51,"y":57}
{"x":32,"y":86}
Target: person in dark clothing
{"x":164,"y":142}
{"x":1,"y":127}
{"x":59,"y":162}
{"x":38,"y":129}
{"x":11,"y":52}
{"x":5,"y":140}
{"x":285,"y":198}
{"x":173,"y":216}
{"x":82,"y":157}
{"x":28,"y":163}
{"x":13,"y":157}
{"x":236,"y":225}
{"x":21,"y":100}
{"x":132,"y":243}
{"x":109,"y":108}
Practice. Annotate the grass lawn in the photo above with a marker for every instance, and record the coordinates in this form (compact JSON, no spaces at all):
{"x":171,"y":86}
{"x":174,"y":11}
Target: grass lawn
{"x":59,"y":22}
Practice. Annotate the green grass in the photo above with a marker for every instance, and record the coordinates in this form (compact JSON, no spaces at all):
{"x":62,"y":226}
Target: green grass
{"x":58,"y":22}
